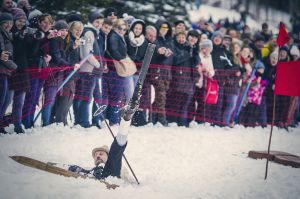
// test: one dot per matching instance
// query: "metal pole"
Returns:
(64, 82)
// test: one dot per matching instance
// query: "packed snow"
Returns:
(170, 162)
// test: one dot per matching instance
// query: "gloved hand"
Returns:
(98, 172)
(78, 169)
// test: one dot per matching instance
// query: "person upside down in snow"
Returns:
(108, 162)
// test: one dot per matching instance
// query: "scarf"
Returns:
(136, 41)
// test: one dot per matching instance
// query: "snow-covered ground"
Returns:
(170, 163)
(216, 13)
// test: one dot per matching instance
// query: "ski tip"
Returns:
(14, 157)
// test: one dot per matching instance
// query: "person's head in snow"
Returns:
(108, 162)
(100, 154)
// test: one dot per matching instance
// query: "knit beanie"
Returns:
(73, 17)
(18, 14)
(217, 33)
(94, 16)
(61, 24)
(34, 14)
(22, 3)
(274, 54)
(5, 17)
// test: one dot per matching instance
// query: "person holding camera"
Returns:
(89, 71)
(38, 55)
(70, 49)
(7, 65)
(161, 73)
(57, 48)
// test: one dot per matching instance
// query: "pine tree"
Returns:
(148, 10)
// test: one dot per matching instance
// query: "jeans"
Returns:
(18, 103)
(50, 94)
(31, 100)
(184, 120)
(263, 111)
(113, 95)
(230, 104)
(84, 94)
(4, 98)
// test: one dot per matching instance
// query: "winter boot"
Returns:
(161, 118)
(19, 130)
(2, 131)
(139, 118)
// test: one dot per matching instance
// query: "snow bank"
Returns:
(216, 13)
(174, 162)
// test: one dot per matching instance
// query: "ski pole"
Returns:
(246, 90)
(65, 81)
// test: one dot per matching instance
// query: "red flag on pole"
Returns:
(287, 81)
(283, 36)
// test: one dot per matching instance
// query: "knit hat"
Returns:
(73, 17)
(34, 14)
(137, 21)
(217, 33)
(61, 24)
(274, 54)
(285, 48)
(108, 11)
(193, 33)
(206, 44)
(22, 3)
(18, 14)
(94, 16)
(5, 17)
(103, 148)
(130, 20)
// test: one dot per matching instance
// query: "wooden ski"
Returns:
(55, 170)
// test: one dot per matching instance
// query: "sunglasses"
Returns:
(122, 29)
(164, 27)
(111, 14)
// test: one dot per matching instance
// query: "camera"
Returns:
(81, 42)
(54, 33)
(34, 32)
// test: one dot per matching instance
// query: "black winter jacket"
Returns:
(184, 71)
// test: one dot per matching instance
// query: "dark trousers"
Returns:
(50, 94)
(83, 96)
(4, 98)
(18, 103)
(113, 96)
(114, 162)
(31, 100)
(97, 100)
(62, 106)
